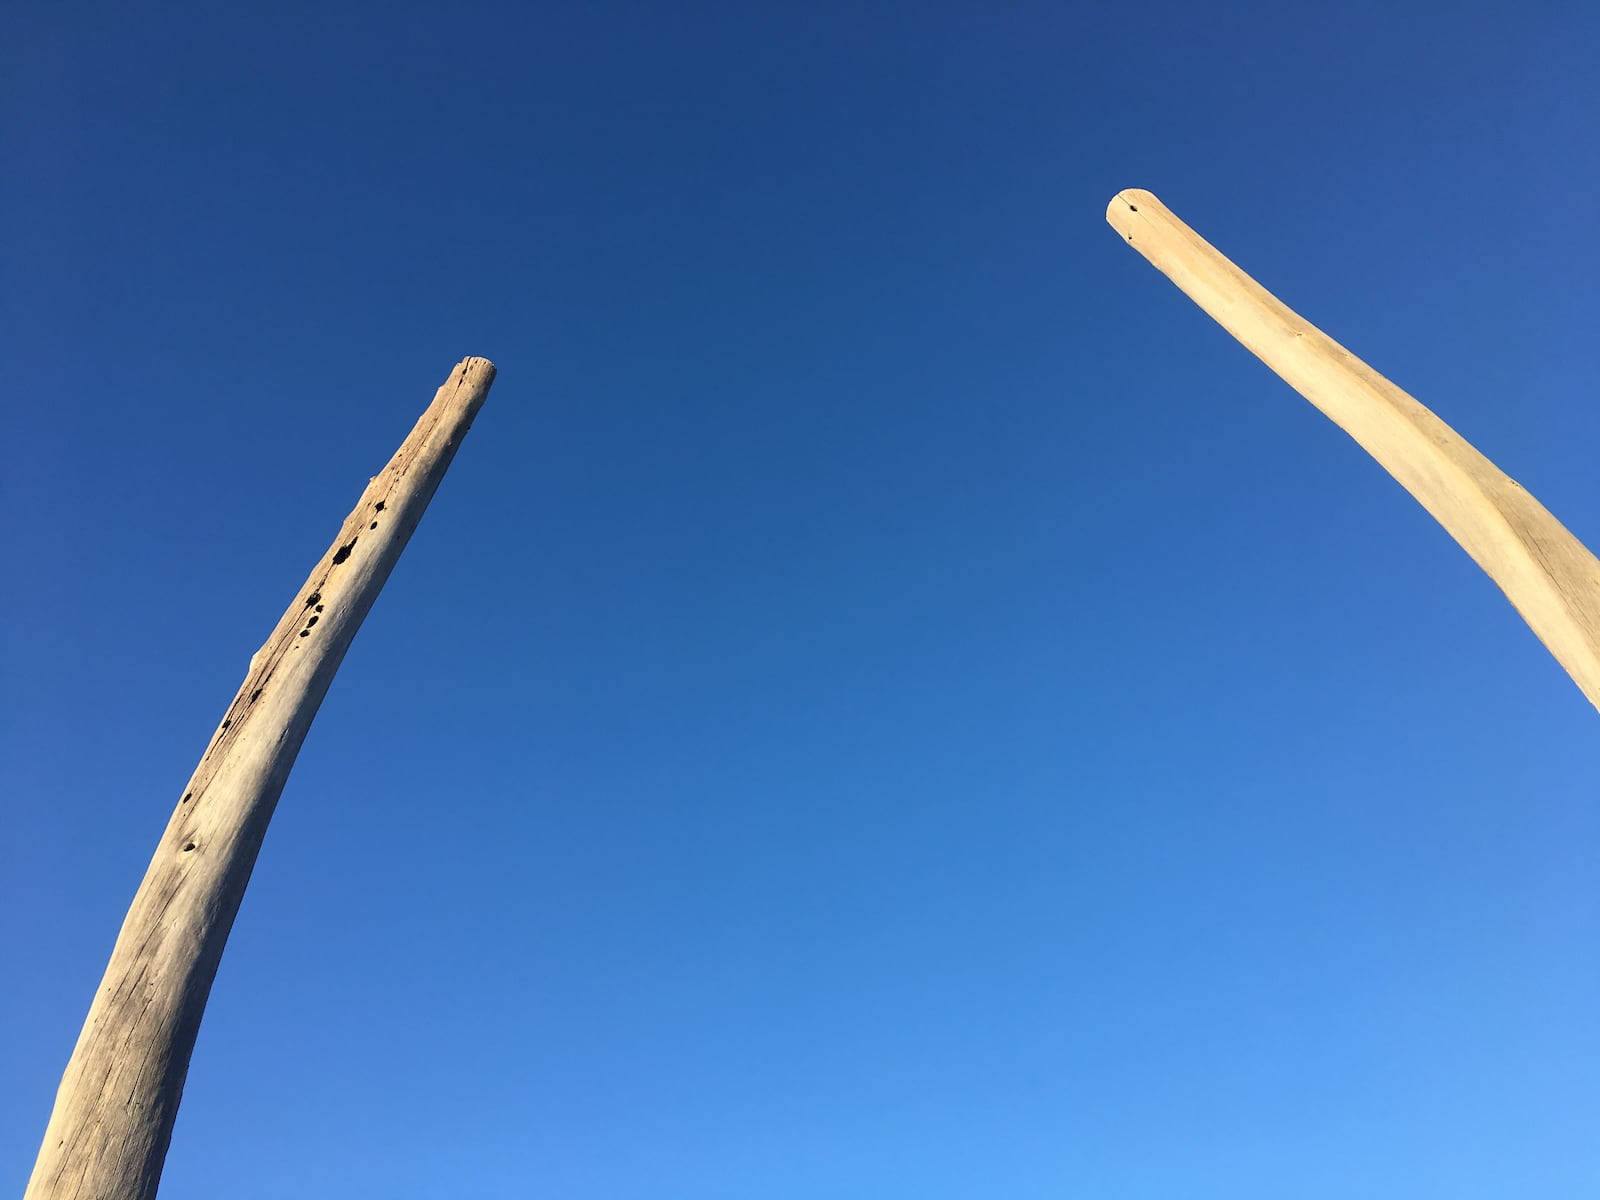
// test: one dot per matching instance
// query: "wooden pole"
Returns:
(1548, 575)
(114, 1110)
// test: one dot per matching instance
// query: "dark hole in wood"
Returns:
(188, 848)
(344, 551)
(313, 598)
(378, 507)
(254, 694)
(186, 797)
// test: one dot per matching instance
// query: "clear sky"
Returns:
(891, 701)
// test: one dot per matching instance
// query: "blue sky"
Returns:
(890, 700)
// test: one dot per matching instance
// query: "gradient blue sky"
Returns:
(891, 701)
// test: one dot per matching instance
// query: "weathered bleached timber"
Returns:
(1548, 574)
(108, 1135)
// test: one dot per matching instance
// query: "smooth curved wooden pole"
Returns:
(112, 1122)
(1549, 575)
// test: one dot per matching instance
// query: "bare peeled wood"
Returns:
(114, 1111)
(1547, 573)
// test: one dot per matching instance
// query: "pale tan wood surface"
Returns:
(1546, 572)
(114, 1110)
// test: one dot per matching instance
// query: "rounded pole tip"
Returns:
(1128, 200)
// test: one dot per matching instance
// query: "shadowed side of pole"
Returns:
(108, 1134)
(1551, 578)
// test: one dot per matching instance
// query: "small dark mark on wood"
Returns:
(1133, 208)
(305, 633)
(228, 722)
(374, 525)
(319, 607)
(378, 507)
(186, 797)
(313, 598)
(254, 695)
(344, 550)
(188, 848)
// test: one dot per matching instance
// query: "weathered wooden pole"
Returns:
(118, 1098)
(1549, 575)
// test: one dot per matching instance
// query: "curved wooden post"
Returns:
(1547, 573)
(113, 1116)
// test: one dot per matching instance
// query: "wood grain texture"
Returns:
(1548, 575)
(108, 1134)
